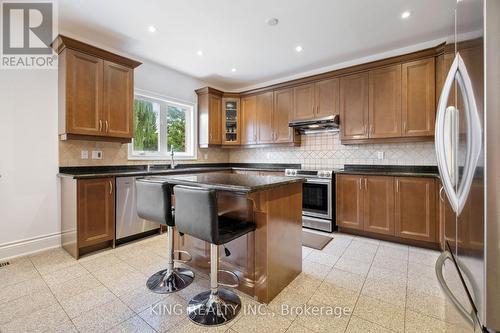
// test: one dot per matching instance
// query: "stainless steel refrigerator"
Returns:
(468, 153)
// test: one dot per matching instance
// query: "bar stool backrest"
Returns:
(154, 202)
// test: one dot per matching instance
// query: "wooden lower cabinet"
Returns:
(95, 211)
(402, 208)
(416, 209)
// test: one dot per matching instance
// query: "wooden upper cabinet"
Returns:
(118, 113)
(327, 97)
(416, 213)
(385, 102)
(349, 194)
(96, 211)
(379, 204)
(83, 97)
(418, 97)
(214, 119)
(354, 106)
(249, 120)
(283, 104)
(96, 92)
(264, 106)
(303, 102)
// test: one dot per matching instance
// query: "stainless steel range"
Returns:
(318, 196)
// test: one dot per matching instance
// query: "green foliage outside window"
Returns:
(176, 129)
(145, 128)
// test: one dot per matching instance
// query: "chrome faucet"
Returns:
(148, 167)
(172, 161)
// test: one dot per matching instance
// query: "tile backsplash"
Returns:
(324, 151)
(321, 151)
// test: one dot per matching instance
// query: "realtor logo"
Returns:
(27, 32)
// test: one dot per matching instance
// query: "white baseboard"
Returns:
(29, 246)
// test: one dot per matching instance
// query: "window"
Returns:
(160, 125)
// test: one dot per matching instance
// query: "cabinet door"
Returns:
(283, 101)
(418, 98)
(350, 201)
(354, 106)
(327, 97)
(379, 205)
(96, 211)
(118, 100)
(265, 117)
(83, 94)
(248, 120)
(416, 208)
(214, 120)
(385, 102)
(303, 102)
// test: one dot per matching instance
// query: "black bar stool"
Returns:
(197, 215)
(154, 203)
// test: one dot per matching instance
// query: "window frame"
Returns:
(163, 153)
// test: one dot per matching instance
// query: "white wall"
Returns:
(29, 214)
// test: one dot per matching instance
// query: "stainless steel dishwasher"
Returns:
(128, 224)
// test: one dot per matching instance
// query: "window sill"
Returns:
(161, 158)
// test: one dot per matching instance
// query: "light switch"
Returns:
(380, 155)
(97, 154)
(84, 155)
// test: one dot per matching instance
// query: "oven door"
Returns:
(317, 198)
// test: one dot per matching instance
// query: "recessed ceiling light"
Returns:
(233, 70)
(298, 48)
(405, 14)
(272, 21)
(200, 53)
(152, 28)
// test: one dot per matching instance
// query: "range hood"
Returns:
(316, 125)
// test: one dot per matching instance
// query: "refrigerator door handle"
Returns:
(469, 317)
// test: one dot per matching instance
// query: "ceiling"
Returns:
(234, 33)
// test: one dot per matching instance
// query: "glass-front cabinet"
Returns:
(231, 121)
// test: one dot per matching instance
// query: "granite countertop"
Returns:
(390, 170)
(229, 182)
(164, 169)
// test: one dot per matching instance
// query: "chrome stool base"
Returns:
(209, 309)
(164, 283)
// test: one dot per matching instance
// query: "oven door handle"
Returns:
(318, 181)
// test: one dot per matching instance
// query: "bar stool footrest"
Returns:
(190, 257)
(234, 285)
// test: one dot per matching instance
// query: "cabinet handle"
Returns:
(107, 126)
(404, 127)
(364, 129)
(360, 184)
(371, 129)
(366, 184)
(110, 187)
(441, 193)
(397, 185)
(100, 125)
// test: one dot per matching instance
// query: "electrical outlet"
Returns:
(97, 154)
(380, 155)
(84, 155)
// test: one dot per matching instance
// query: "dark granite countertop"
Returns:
(164, 169)
(229, 182)
(390, 170)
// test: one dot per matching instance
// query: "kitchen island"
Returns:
(266, 260)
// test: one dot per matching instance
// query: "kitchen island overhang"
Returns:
(265, 260)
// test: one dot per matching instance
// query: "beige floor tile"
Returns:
(392, 252)
(366, 240)
(335, 249)
(132, 325)
(141, 261)
(251, 323)
(21, 289)
(325, 322)
(166, 314)
(379, 273)
(126, 284)
(86, 301)
(187, 326)
(286, 300)
(358, 255)
(75, 286)
(334, 296)
(385, 290)
(322, 258)
(419, 323)
(24, 305)
(296, 328)
(306, 251)
(103, 318)
(93, 264)
(344, 279)
(52, 260)
(18, 271)
(394, 245)
(48, 319)
(304, 284)
(433, 306)
(391, 264)
(425, 285)
(199, 285)
(65, 274)
(426, 271)
(367, 247)
(141, 298)
(424, 258)
(66, 327)
(381, 313)
(316, 270)
(114, 273)
(353, 266)
(358, 325)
